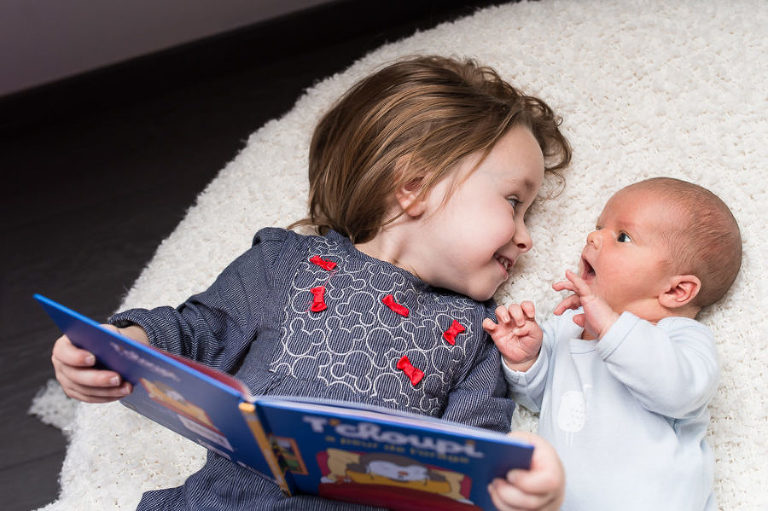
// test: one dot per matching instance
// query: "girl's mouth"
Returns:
(505, 263)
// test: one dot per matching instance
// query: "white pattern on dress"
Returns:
(356, 342)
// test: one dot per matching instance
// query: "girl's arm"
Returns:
(216, 326)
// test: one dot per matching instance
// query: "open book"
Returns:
(337, 450)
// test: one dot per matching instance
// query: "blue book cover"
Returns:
(338, 450)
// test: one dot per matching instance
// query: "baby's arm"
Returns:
(80, 380)
(517, 335)
(598, 316)
(540, 488)
(670, 368)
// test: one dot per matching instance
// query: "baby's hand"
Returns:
(598, 316)
(77, 376)
(542, 487)
(517, 335)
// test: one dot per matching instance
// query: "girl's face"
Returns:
(469, 243)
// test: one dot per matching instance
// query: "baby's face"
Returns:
(626, 260)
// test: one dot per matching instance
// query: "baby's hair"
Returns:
(708, 243)
(412, 122)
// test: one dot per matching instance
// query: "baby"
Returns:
(623, 376)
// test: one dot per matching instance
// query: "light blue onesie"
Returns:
(628, 414)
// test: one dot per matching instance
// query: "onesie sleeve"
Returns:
(671, 367)
(215, 327)
(480, 398)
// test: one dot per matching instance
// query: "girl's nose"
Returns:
(522, 238)
(593, 238)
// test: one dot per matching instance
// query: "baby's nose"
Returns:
(593, 238)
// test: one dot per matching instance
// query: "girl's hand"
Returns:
(517, 335)
(541, 488)
(80, 380)
(598, 316)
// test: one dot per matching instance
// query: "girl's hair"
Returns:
(412, 122)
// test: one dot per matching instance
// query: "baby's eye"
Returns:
(623, 238)
(513, 201)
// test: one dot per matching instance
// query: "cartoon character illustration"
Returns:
(288, 455)
(171, 398)
(419, 486)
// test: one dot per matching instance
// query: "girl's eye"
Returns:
(623, 238)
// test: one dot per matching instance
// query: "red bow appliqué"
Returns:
(450, 334)
(322, 263)
(318, 299)
(390, 302)
(413, 373)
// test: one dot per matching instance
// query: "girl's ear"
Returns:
(409, 197)
(682, 290)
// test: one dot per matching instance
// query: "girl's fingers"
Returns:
(89, 378)
(510, 498)
(97, 394)
(66, 353)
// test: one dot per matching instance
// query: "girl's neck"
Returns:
(391, 246)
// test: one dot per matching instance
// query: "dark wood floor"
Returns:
(97, 170)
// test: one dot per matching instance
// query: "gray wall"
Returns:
(46, 40)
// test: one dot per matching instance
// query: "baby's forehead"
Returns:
(646, 203)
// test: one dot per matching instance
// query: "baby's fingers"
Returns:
(528, 309)
(502, 315)
(518, 315)
(569, 302)
(564, 285)
(579, 285)
(489, 326)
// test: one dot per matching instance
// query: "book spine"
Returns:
(249, 413)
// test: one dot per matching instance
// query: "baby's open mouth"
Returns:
(587, 271)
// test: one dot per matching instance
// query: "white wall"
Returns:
(45, 40)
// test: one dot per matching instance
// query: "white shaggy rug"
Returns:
(646, 88)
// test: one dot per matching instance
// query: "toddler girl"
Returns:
(420, 177)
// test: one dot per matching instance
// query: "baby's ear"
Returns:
(681, 291)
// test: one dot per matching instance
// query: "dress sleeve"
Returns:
(671, 367)
(480, 398)
(216, 327)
